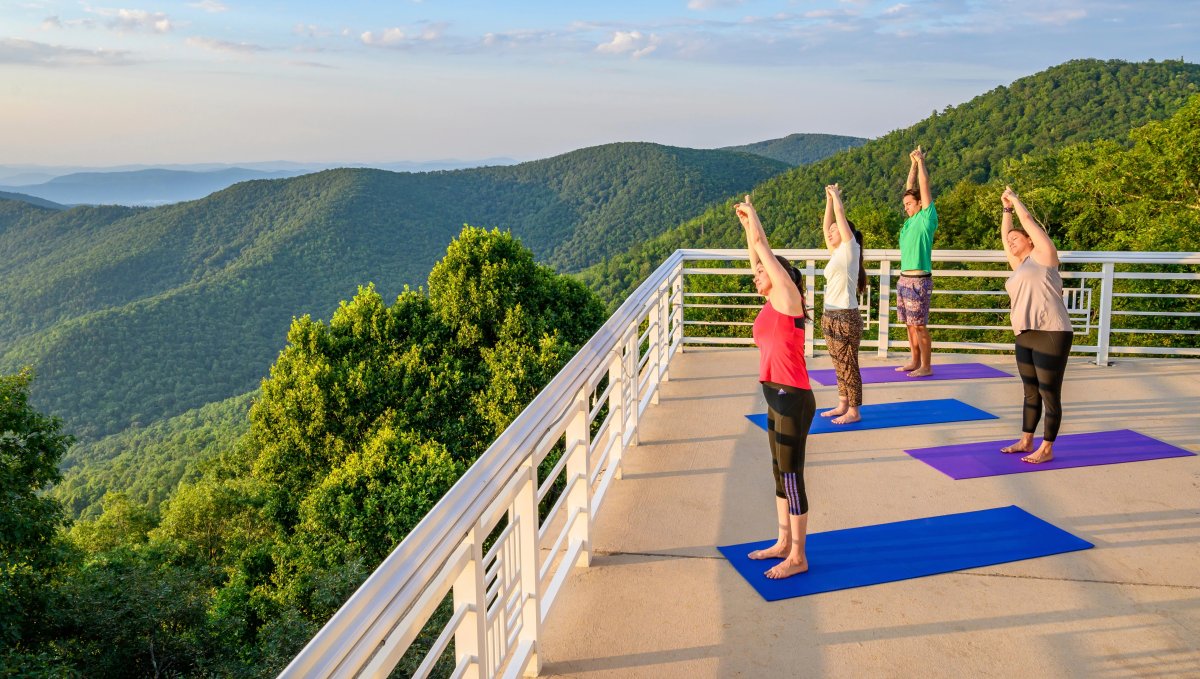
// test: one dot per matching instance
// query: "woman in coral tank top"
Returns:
(779, 334)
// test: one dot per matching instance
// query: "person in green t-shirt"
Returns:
(915, 287)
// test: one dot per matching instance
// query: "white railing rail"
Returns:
(502, 541)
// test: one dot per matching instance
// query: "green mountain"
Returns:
(142, 187)
(32, 200)
(1079, 101)
(800, 149)
(129, 315)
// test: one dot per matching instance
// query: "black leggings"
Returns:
(789, 415)
(1042, 362)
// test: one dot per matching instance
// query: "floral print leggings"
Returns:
(843, 330)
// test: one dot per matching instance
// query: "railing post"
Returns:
(632, 380)
(885, 306)
(653, 340)
(810, 298)
(579, 487)
(1104, 331)
(616, 409)
(664, 335)
(469, 647)
(525, 518)
(677, 294)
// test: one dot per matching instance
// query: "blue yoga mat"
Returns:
(869, 555)
(904, 414)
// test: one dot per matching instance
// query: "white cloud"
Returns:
(386, 38)
(399, 37)
(895, 9)
(515, 38)
(210, 6)
(14, 51)
(135, 20)
(51, 23)
(634, 43)
(240, 48)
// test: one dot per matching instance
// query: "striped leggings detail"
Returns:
(793, 488)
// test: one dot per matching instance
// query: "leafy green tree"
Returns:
(31, 445)
(214, 519)
(123, 614)
(123, 523)
(378, 494)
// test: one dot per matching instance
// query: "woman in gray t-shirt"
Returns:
(1041, 323)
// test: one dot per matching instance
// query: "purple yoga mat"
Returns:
(973, 460)
(887, 373)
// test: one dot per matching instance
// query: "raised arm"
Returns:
(828, 223)
(1044, 252)
(834, 193)
(922, 172)
(912, 173)
(752, 226)
(1006, 222)
(784, 295)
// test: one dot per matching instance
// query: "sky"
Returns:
(111, 82)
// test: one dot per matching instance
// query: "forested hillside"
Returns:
(1080, 101)
(32, 200)
(800, 148)
(365, 421)
(130, 315)
(146, 464)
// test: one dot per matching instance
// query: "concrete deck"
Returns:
(660, 601)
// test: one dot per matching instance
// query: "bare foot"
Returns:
(921, 372)
(786, 569)
(1042, 454)
(907, 368)
(833, 412)
(848, 418)
(1018, 447)
(778, 551)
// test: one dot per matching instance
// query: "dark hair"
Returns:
(1021, 230)
(862, 267)
(793, 273)
(915, 193)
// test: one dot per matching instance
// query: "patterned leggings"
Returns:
(843, 330)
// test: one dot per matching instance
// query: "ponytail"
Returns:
(862, 267)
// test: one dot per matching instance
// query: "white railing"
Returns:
(1098, 287)
(587, 416)
(500, 545)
